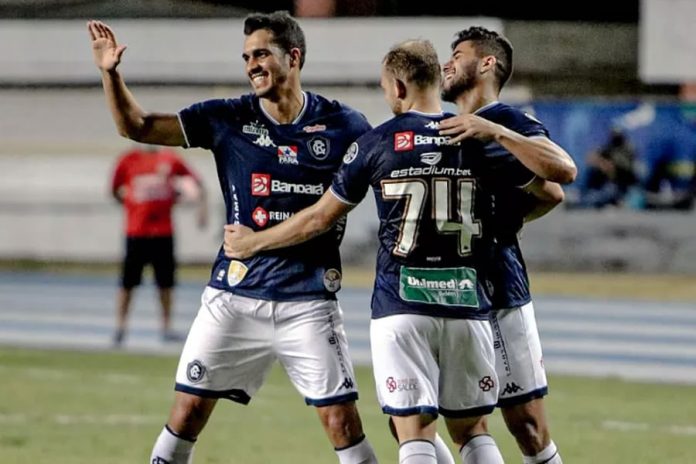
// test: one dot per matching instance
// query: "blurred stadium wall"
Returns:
(59, 143)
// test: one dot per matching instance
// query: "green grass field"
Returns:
(99, 407)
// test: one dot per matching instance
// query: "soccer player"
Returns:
(276, 151)
(144, 181)
(431, 339)
(480, 65)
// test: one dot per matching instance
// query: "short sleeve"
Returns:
(351, 182)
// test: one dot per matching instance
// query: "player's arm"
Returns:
(545, 197)
(132, 121)
(539, 154)
(241, 242)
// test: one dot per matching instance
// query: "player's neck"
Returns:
(285, 107)
(472, 100)
(425, 103)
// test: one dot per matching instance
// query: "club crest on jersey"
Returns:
(314, 128)
(260, 184)
(351, 153)
(318, 147)
(332, 280)
(287, 154)
(236, 271)
(260, 216)
(403, 141)
(195, 370)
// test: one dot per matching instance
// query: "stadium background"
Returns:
(601, 276)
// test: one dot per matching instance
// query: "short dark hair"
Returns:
(287, 33)
(415, 61)
(487, 42)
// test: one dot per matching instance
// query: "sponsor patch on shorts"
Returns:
(451, 286)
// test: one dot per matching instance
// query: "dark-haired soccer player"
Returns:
(276, 151)
(480, 65)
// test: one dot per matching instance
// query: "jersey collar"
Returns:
(296, 120)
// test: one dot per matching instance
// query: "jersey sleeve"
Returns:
(352, 180)
(200, 121)
(506, 168)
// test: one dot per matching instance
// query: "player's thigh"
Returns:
(468, 382)
(519, 358)
(134, 261)
(404, 360)
(229, 348)
(312, 347)
(163, 261)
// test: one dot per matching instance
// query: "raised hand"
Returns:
(469, 125)
(107, 52)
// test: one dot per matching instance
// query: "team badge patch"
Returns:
(351, 153)
(332, 280)
(236, 271)
(318, 147)
(195, 371)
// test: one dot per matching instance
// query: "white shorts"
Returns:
(518, 358)
(234, 341)
(431, 365)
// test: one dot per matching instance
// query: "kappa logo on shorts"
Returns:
(159, 460)
(511, 387)
(236, 271)
(195, 371)
(332, 280)
(486, 383)
(348, 383)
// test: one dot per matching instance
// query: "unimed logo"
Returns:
(450, 284)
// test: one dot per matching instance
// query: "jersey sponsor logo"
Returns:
(403, 141)
(195, 371)
(259, 216)
(429, 171)
(451, 286)
(332, 280)
(486, 383)
(264, 141)
(254, 128)
(433, 125)
(236, 271)
(511, 388)
(287, 154)
(351, 153)
(303, 189)
(431, 158)
(314, 128)
(260, 184)
(399, 385)
(279, 215)
(318, 147)
(433, 140)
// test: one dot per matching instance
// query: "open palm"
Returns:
(107, 53)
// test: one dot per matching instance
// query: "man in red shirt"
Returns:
(148, 181)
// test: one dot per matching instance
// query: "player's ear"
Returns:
(295, 57)
(488, 64)
(400, 88)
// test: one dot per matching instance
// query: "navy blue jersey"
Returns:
(509, 280)
(433, 210)
(267, 172)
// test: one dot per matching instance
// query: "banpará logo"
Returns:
(450, 284)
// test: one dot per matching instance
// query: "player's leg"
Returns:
(468, 388)
(522, 381)
(131, 275)
(219, 360)
(312, 347)
(443, 455)
(407, 374)
(164, 266)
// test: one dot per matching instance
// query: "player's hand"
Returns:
(464, 126)
(239, 241)
(107, 52)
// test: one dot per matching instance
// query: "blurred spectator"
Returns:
(610, 172)
(670, 182)
(148, 180)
